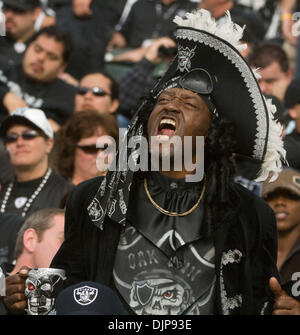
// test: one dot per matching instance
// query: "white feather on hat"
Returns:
(275, 152)
(202, 20)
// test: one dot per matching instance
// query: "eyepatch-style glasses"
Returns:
(200, 81)
(26, 135)
(97, 91)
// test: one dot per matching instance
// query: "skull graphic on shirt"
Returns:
(159, 296)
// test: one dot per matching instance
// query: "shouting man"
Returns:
(171, 241)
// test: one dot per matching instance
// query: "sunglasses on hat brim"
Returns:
(201, 82)
(198, 81)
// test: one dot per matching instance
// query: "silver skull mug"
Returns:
(41, 289)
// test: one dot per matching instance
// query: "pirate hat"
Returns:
(208, 62)
(205, 46)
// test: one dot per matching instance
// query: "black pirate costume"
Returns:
(148, 238)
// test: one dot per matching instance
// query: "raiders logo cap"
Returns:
(88, 298)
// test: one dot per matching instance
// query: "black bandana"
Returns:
(113, 195)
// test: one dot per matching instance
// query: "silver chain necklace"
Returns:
(31, 199)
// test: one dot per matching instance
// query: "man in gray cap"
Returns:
(20, 19)
(28, 137)
(283, 196)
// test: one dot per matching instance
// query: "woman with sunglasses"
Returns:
(28, 138)
(78, 145)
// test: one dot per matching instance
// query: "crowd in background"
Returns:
(86, 64)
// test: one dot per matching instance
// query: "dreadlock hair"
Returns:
(219, 170)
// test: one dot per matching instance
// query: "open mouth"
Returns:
(36, 67)
(166, 127)
(281, 215)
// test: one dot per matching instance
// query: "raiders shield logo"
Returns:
(85, 295)
(184, 58)
(144, 293)
(95, 210)
(20, 202)
(112, 208)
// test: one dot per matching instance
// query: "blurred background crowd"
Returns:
(86, 64)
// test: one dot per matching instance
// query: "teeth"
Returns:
(163, 137)
(281, 215)
(167, 121)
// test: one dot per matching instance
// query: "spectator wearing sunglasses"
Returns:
(35, 83)
(78, 144)
(28, 137)
(20, 19)
(99, 91)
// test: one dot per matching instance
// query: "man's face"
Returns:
(274, 81)
(20, 24)
(43, 59)
(50, 242)
(26, 154)
(179, 112)
(90, 101)
(286, 207)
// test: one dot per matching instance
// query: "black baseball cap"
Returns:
(22, 4)
(292, 94)
(88, 298)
